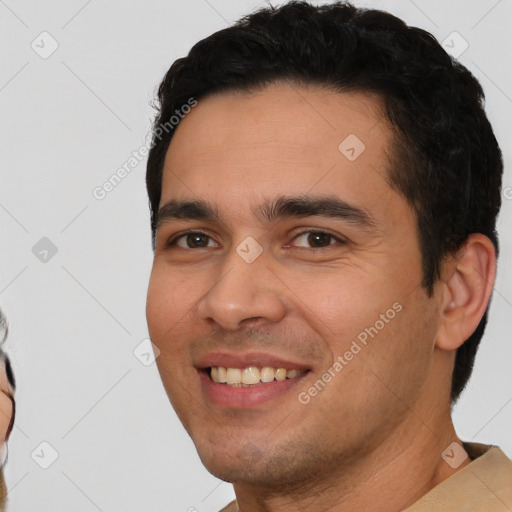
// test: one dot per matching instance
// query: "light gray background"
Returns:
(68, 123)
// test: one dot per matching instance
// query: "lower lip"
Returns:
(245, 397)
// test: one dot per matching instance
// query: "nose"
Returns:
(243, 294)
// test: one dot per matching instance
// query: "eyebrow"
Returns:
(282, 207)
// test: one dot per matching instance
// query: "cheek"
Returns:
(400, 356)
(385, 331)
(338, 303)
(168, 309)
(171, 295)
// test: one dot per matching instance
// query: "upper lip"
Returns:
(246, 359)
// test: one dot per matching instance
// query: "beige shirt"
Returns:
(484, 485)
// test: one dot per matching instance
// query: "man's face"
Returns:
(327, 275)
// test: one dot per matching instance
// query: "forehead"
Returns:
(282, 139)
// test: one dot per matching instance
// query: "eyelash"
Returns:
(341, 241)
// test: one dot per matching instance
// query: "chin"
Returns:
(271, 467)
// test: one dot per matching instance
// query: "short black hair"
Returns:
(446, 160)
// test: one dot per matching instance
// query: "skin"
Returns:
(372, 438)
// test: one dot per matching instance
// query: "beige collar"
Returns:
(483, 485)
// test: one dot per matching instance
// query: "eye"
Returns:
(193, 240)
(317, 239)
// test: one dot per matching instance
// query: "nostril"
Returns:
(252, 319)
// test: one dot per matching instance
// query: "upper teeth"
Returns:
(250, 375)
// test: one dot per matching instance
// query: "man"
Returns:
(324, 213)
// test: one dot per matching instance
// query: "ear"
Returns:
(467, 283)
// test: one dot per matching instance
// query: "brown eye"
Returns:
(319, 239)
(194, 241)
(197, 240)
(316, 239)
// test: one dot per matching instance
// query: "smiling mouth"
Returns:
(251, 376)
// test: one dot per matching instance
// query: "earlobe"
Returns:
(466, 286)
